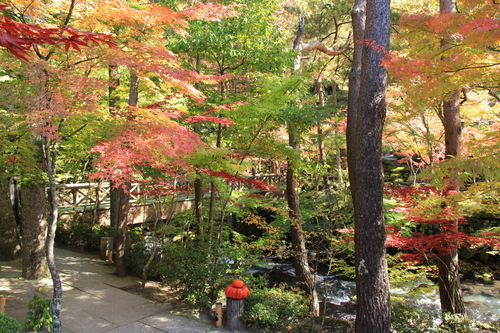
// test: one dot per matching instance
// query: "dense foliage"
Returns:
(197, 100)
(9, 324)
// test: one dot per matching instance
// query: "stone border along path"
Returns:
(92, 300)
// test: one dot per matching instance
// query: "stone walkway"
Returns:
(93, 301)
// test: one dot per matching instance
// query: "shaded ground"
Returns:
(94, 300)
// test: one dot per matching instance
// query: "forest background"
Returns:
(213, 95)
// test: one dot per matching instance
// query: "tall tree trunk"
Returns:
(198, 183)
(300, 258)
(450, 291)
(34, 231)
(133, 96)
(198, 205)
(213, 195)
(50, 149)
(366, 172)
(10, 246)
(114, 192)
(114, 79)
(358, 25)
(321, 141)
(122, 197)
(121, 234)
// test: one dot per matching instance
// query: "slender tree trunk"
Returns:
(321, 141)
(213, 195)
(198, 183)
(10, 246)
(198, 205)
(366, 172)
(300, 258)
(34, 231)
(114, 193)
(121, 234)
(50, 148)
(114, 78)
(450, 291)
(133, 97)
(122, 199)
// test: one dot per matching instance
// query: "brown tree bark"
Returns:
(367, 115)
(198, 205)
(358, 15)
(299, 250)
(321, 141)
(121, 199)
(450, 291)
(10, 246)
(50, 148)
(114, 79)
(123, 207)
(34, 231)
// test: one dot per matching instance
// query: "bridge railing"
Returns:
(94, 196)
(83, 196)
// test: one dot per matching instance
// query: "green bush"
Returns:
(39, 316)
(199, 272)
(136, 258)
(9, 324)
(84, 235)
(275, 309)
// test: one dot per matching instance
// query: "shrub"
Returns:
(9, 324)
(199, 272)
(90, 235)
(39, 316)
(136, 258)
(276, 309)
(84, 235)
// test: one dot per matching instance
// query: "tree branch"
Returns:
(74, 132)
(319, 46)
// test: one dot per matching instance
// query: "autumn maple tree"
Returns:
(64, 55)
(19, 38)
(453, 64)
(429, 208)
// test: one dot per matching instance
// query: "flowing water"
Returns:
(482, 300)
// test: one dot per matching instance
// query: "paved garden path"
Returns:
(93, 302)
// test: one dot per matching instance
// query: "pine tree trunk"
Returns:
(358, 25)
(10, 246)
(367, 115)
(34, 231)
(300, 258)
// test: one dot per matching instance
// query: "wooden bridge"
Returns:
(92, 200)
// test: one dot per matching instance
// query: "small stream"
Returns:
(482, 300)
